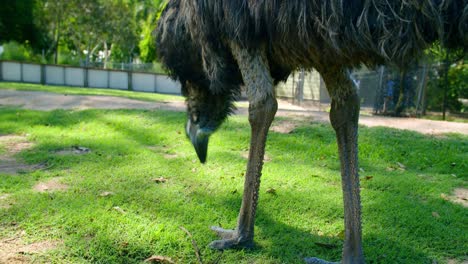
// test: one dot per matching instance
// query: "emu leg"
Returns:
(344, 117)
(262, 110)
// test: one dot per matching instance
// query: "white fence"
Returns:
(13, 71)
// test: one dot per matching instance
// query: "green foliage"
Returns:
(455, 65)
(19, 52)
(68, 57)
(147, 44)
(458, 76)
(64, 29)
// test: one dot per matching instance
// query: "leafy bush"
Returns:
(457, 88)
(19, 52)
(68, 57)
(147, 44)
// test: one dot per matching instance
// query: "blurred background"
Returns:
(118, 35)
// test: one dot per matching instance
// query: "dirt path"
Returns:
(50, 101)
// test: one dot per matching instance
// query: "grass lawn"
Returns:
(126, 199)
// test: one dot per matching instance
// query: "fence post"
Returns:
(86, 76)
(43, 74)
(64, 75)
(130, 82)
(155, 88)
(108, 78)
(1, 70)
(21, 72)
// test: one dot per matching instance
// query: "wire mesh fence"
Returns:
(392, 91)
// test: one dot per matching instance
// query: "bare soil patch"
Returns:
(51, 185)
(14, 250)
(460, 196)
(163, 150)
(12, 145)
(5, 202)
(284, 126)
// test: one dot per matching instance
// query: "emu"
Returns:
(213, 47)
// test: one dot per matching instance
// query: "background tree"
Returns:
(449, 80)
(51, 17)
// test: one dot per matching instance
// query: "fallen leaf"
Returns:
(118, 209)
(444, 196)
(194, 170)
(271, 191)
(435, 214)
(105, 194)
(160, 180)
(402, 167)
(159, 259)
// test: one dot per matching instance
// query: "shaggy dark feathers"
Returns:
(303, 33)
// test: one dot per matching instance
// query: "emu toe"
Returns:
(230, 239)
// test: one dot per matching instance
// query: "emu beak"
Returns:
(199, 138)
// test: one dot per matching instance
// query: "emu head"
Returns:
(206, 111)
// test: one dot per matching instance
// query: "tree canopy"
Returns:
(89, 30)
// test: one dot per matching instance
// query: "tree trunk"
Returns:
(105, 55)
(56, 40)
(422, 91)
(446, 84)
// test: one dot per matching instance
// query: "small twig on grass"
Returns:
(194, 244)
(218, 259)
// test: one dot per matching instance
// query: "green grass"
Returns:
(129, 148)
(89, 91)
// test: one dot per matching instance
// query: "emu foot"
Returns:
(318, 261)
(230, 239)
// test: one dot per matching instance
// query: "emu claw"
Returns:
(318, 261)
(229, 239)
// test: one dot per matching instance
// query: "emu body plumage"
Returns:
(213, 47)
